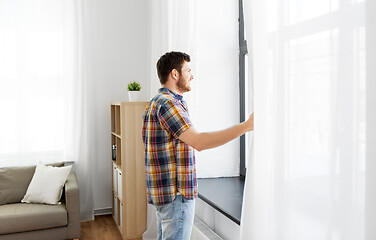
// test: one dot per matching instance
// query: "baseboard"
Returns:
(102, 211)
(201, 231)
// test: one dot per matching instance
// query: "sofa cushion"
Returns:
(20, 217)
(47, 184)
(14, 182)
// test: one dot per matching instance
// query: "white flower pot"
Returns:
(134, 96)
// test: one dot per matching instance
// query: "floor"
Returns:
(102, 228)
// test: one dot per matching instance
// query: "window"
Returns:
(38, 79)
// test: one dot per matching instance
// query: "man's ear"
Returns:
(174, 74)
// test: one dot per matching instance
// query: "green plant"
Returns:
(134, 86)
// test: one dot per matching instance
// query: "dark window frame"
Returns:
(242, 53)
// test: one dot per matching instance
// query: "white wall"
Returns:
(117, 50)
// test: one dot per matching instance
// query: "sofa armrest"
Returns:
(72, 201)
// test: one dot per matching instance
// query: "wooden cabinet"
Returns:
(128, 168)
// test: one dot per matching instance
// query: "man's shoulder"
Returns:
(157, 103)
(162, 99)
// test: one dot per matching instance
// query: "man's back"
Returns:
(169, 162)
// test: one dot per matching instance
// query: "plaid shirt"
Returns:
(170, 163)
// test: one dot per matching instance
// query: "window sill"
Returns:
(224, 195)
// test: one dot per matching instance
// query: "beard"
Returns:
(183, 85)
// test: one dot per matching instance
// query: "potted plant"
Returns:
(134, 91)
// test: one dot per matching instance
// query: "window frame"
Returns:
(243, 51)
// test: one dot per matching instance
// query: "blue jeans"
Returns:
(175, 219)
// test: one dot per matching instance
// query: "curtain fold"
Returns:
(370, 195)
(311, 176)
(43, 101)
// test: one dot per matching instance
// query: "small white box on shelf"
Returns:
(119, 183)
(114, 178)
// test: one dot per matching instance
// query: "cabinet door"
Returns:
(116, 210)
(121, 214)
(114, 178)
(120, 183)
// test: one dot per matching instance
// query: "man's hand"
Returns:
(250, 123)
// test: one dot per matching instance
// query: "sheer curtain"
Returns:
(312, 175)
(43, 88)
(173, 27)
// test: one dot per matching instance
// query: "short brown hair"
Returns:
(170, 61)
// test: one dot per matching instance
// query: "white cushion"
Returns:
(47, 184)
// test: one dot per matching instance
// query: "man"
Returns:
(169, 140)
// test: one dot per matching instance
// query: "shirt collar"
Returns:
(175, 95)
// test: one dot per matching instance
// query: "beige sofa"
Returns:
(19, 221)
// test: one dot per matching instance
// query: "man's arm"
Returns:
(207, 140)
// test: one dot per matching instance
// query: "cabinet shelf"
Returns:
(128, 176)
(115, 119)
(116, 135)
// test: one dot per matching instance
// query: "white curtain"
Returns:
(312, 175)
(43, 89)
(173, 27)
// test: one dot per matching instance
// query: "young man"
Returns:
(169, 140)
